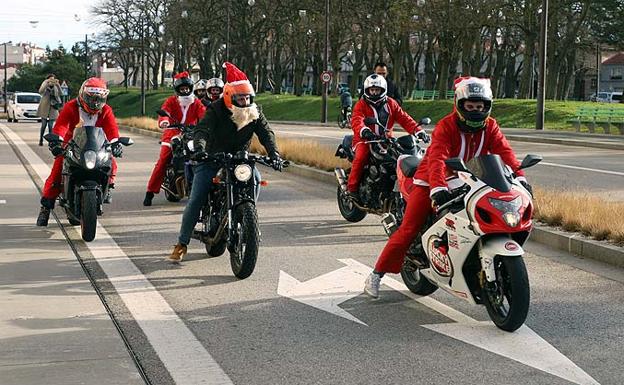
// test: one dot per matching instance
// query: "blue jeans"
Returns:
(202, 184)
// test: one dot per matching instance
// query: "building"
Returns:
(612, 73)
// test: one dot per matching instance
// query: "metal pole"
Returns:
(541, 89)
(325, 63)
(142, 70)
(86, 57)
(5, 79)
(227, 34)
(597, 70)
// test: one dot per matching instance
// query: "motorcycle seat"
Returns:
(409, 164)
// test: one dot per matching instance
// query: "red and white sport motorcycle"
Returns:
(472, 246)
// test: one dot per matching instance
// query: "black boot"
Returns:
(148, 198)
(44, 216)
(108, 198)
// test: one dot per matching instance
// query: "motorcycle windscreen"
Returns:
(491, 170)
(89, 138)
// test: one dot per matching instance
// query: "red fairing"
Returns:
(490, 219)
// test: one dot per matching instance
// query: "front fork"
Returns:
(501, 245)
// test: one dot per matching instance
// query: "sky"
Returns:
(56, 21)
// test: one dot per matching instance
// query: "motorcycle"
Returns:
(178, 175)
(471, 246)
(377, 195)
(229, 218)
(87, 167)
(344, 121)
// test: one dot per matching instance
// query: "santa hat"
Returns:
(236, 83)
(182, 75)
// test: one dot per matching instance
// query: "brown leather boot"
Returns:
(179, 251)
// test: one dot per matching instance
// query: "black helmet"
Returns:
(472, 89)
(182, 79)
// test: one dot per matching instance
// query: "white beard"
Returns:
(242, 116)
(186, 101)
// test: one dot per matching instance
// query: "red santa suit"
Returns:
(363, 110)
(189, 114)
(71, 115)
(447, 142)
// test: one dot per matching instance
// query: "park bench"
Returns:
(430, 94)
(599, 116)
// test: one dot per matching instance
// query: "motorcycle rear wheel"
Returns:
(416, 282)
(88, 214)
(508, 306)
(245, 245)
(348, 209)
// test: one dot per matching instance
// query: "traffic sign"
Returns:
(326, 76)
(64, 88)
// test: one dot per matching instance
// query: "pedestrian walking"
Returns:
(50, 104)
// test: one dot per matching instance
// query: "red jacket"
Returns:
(70, 117)
(448, 142)
(194, 113)
(363, 110)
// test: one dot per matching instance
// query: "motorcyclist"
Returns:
(183, 108)
(375, 103)
(214, 87)
(90, 109)
(199, 90)
(228, 126)
(468, 131)
(346, 102)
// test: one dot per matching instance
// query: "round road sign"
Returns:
(326, 76)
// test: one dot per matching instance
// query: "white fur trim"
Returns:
(113, 140)
(165, 144)
(481, 144)
(435, 190)
(420, 182)
(240, 82)
(462, 152)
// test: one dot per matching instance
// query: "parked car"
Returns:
(23, 105)
(606, 97)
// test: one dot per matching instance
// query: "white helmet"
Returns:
(214, 83)
(201, 84)
(379, 81)
(200, 88)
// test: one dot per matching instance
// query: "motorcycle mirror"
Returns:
(456, 164)
(163, 113)
(370, 120)
(125, 141)
(52, 137)
(425, 121)
(530, 160)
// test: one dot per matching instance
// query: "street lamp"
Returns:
(5, 79)
(325, 63)
(541, 89)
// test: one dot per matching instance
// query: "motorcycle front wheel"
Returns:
(508, 302)
(246, 240)
(88, 214)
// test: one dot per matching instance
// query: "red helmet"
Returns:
(92, 95)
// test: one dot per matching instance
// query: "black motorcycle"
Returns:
(377, 191)
(86, 170)
(178, 175)
(229, 218)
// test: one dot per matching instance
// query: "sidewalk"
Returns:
(53, 327)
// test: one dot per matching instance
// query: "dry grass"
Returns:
(143, 122)
(305, 152)
(581, 212)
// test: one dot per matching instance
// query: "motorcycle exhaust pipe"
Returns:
(342, 178)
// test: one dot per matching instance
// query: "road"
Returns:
(196, 323)
(566, 168)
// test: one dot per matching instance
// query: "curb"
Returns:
(566, 142)
(573, 243)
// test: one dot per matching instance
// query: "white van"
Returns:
(23, 105)
(609, 97)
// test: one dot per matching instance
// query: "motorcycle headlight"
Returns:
(242, 172)
(90, 158)
(103, 155)
(509, 209)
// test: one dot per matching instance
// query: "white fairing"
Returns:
(499, 245)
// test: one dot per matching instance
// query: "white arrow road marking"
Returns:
(524, 345)
(329, 290)
(183, 355)
(2, 201)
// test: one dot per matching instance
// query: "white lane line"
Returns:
(583, 168)
(2, 201)
(183, 355)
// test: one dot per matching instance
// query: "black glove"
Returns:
(200, 155)
(116, 149)
(527, 186)
(56, 148)
(441, 197)
(422, 135)
(277, 162)
(367, 134)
